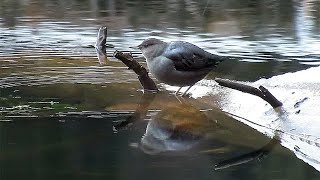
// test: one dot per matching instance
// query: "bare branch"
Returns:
(262, 92)
(146, 82)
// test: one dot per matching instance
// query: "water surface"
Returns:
(65, 116)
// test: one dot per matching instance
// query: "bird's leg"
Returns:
(185, 93)
(177, 91)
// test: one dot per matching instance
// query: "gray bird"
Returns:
(178, 63)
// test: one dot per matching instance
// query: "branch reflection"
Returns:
(177, 127)
(245, 158)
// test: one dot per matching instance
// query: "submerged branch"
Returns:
(262, 92)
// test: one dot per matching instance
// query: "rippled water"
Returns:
(65, 116)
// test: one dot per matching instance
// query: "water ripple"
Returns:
(34, 76)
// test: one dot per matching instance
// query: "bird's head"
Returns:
(152, 47)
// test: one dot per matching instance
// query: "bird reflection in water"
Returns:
(181, 126)
(177, 127)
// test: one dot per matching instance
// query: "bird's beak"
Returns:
(136, 47)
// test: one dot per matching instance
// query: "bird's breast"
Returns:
(161, 67)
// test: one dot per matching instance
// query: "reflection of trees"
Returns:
(8, 11)
(251, 16)
(221, 17)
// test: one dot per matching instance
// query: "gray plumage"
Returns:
(178, 63)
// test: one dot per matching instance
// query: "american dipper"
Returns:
(178, 63)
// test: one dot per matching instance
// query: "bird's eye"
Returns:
(148, 45)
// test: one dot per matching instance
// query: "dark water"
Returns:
(65, 116)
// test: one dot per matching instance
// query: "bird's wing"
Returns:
(189, 57)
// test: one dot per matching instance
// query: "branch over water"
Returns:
(262, 92)
(146, 82)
